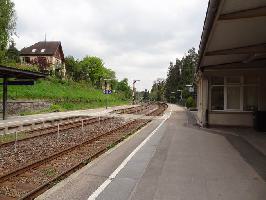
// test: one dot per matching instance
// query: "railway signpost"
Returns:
(107, 90)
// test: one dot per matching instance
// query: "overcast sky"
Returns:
(135, 38)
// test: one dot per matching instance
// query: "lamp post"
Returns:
(173, 94)
(134, 91)
(181, 94)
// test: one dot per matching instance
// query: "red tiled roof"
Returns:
(49, 47)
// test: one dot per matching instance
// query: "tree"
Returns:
(93, 69)
(146, 95)
(123, 86)
(188, 67)
(7, 25)
(180, 75)
(157, 91)
(12, 53)
(173, 81)
(73, 68)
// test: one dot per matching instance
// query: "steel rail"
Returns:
(58, 154)
(53, 129)
(34, 193)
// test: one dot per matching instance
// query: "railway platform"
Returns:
(168, 160)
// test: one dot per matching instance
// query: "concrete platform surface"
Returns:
(176, 163)
(57, 115)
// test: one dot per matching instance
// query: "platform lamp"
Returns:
(181, 94)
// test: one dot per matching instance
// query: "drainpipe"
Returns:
(207, 118)
(207, 110)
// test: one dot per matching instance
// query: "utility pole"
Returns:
(134, 92)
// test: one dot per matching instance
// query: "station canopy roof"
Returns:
(10, 72)
(234, 35)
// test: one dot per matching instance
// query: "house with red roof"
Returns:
(47, 55)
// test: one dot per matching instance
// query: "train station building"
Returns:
(231, 75)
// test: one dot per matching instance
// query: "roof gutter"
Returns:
(207, 27)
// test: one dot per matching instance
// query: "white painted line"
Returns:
(101, 188)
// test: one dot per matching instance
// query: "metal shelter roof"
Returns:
(234, 34)
(10, 72)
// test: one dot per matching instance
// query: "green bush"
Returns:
(190, 102)
(56, 108)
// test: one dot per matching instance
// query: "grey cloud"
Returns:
(135, 38)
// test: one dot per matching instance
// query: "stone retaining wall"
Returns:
(17, 107)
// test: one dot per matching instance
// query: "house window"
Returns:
(27, 59)
(33, 50)
(43, 50)
(234, 93)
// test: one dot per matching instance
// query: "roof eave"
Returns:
(208, 24)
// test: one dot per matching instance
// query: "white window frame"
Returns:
(225, 85)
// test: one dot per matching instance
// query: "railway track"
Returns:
(39, 147)
(148, 110)
(29, 181)
(141, 109)
(158, 111)
(54, 129)
(43, 160)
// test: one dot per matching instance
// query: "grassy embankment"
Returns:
(64, 95)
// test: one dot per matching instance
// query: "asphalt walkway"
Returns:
(174, 162)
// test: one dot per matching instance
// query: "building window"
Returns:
(217, 98)
(234, 93)
(42, 50)
(27, 59)
(250, 98)
(233, 97)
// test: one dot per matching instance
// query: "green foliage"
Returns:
(65, 95)
(56, 108)
(90, 69)
(33, 68)
(173, 78)
(7, 25)
(12, 53)
(123, 86)
(157, 90)
(180, 75)
(146, 95)
(189, 63)
(73, 68)
(190, 102)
